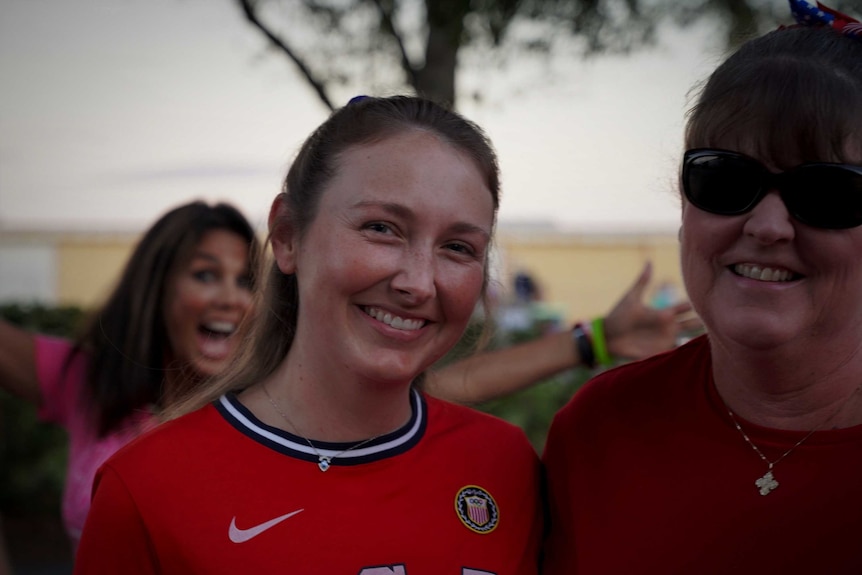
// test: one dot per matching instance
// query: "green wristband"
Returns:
(600, 344)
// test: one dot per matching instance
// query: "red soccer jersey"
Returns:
(647, 474)
(453, 492)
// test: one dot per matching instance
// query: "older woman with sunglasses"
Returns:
(741, 451)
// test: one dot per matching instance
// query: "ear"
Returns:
(285, 242)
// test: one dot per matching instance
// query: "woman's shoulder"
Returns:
(53, 343)
(54, 353)
(649, 381)
(470, 439)
(169, 441)
(473, 423)
(61, 372)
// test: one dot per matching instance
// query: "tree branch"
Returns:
(248, 8)
(389, 26)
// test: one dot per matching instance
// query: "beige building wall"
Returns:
(585, 275)
(61, 268)
(90, 267)
(582, 275)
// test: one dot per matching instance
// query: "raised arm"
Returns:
(18, 363)
(635, 330)
(632, 330)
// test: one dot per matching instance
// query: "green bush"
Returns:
(33, 455)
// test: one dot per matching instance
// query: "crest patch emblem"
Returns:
(476, 509)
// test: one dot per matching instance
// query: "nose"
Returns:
(415, 279)
(770, 222)
(234, 295)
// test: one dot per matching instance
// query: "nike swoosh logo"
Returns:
(238, 535)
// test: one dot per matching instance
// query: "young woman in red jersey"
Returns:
(317, 453)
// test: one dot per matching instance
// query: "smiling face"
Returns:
(205, 302)
(763, 279)
(392, 266)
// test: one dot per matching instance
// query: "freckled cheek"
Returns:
(180, 330)
(188, 303)
(172, 306)
(192, 300)
(356, 269)
(462, 290)
(360, 265)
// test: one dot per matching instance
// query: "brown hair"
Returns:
(125, 340)
(790, 96)
(365, 120)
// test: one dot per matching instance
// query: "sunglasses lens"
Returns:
(721, 182)
(825, 196)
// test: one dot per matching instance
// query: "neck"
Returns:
(790, 389)
(326, 409)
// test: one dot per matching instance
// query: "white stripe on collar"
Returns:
(256, 427)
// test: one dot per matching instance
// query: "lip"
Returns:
(216, 347)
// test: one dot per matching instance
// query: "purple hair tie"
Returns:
(809, 13)
(356, 99)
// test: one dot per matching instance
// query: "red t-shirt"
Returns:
(647, 474)
(453, 492)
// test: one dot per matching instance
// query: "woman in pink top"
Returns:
(171, 322)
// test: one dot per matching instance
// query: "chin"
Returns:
(393, 373)
(757, 335)
(210, 367)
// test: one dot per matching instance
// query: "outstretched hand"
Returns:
(634, 330)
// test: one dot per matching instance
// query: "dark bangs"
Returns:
(768, 101)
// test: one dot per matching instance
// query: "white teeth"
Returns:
(763, 273)
(394, 321)
(225, 327)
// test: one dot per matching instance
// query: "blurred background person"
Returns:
(173, 320)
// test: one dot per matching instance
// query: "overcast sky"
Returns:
(112, 111)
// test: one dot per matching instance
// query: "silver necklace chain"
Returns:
(323, 461)
(767, 483)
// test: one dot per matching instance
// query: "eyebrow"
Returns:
(204, 256)
(404, 212)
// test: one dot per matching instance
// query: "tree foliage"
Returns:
(418, 45)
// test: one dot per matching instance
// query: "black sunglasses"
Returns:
(821, 195)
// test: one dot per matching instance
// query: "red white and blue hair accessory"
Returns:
(808, 13)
